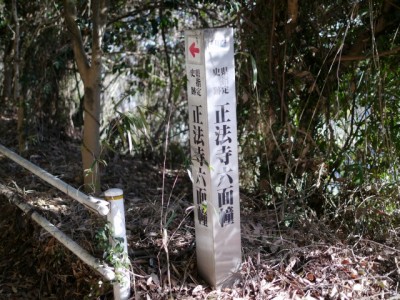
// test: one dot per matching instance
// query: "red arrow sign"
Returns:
(193, 49)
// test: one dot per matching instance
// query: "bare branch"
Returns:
(382, 23)
(76, 37)
(393, 51)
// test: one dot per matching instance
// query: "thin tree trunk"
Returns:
(91, 139)
(7, 92)
(292, 14)
(16, 93)
(91, 77)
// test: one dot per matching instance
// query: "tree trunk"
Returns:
(91, 138)
(91, 77)
(16, 93)
(7, 92)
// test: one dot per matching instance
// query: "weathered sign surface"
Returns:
(213, 138)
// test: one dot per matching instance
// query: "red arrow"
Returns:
(193, 49)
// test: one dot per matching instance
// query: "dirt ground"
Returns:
(306, 261)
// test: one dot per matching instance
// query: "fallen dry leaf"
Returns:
(311, 277)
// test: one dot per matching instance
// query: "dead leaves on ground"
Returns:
(295, 263)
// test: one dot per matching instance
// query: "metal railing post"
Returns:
(116, 218)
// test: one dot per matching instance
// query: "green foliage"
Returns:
(113, 249)
(318, 105)
(43, 64)
(313, 130)
(128, 132)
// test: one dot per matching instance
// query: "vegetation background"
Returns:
(317, 97)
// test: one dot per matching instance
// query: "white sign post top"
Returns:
(201, 42)
(194, 45)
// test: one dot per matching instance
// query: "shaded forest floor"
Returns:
(309, 260)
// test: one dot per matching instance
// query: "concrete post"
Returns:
(116, 218)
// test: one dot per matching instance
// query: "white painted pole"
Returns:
(91, 261)
(96, 204)
(116, 217)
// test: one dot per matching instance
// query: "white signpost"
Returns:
(213, 138)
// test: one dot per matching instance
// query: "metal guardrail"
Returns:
(99, 205)
(115, 216)
(94, 263)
